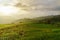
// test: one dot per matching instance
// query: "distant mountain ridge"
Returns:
(46, 20)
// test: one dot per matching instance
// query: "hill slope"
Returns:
(32, 29)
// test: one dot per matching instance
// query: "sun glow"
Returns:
(8, 10)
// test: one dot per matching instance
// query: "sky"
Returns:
(27, 9)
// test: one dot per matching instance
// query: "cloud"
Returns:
(42, 4)
(8, 2)
(35, 8)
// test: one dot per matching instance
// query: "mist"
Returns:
(32, 9)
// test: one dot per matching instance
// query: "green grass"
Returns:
(30, 32)
(41, 28)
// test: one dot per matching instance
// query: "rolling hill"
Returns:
(40, 28)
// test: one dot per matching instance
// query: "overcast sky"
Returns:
(33, 8)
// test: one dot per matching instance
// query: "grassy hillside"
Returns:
(32, 29)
